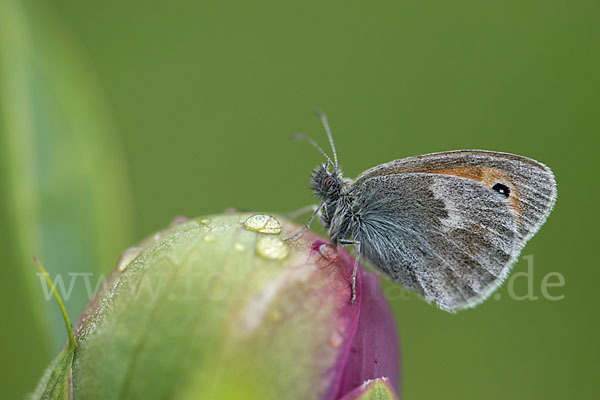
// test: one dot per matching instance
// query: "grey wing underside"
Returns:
(449, 238)
(531, 182)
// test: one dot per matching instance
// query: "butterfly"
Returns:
(447, 225)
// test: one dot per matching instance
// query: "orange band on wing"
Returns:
(489, 177)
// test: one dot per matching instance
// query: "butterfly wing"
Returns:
(531, 185)
(447, 233)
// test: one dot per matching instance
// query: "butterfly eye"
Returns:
(502, 189)
(327, 182)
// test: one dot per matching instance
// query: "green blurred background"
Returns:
(117, 116)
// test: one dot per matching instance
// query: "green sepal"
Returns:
(55, 383)
(376, 389)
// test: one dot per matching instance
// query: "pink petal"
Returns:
(374, 352)
(370, 348)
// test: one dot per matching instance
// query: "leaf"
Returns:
(65, 179)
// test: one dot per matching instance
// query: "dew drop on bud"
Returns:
(239, 247)
(263, 223)
(209, 238)
(204, 221)
(274, 315)
(329, 252)
(127, 257)
(272, 248)
(178, 220)
(336, 339)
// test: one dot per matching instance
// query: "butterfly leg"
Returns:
(305, 227)
(356, 244)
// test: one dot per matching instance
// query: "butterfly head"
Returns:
(326, 184)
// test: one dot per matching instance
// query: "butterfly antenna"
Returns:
(302, 136)
(323, 117)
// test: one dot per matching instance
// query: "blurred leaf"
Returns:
(65, 178)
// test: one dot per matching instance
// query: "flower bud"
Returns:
(224, 308)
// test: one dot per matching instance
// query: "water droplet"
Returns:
(263, 223)
(209, 238)
(239, 247)
(272, 248)
(336, 339)
(204, 221)
(274, 315)
(216, 286)
(329, 252)
(127, 257)
(178, 220)
(497, 296)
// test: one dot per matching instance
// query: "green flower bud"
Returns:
(223, 308)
